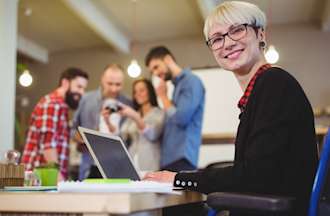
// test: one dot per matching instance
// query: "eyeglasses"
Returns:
(235, 33)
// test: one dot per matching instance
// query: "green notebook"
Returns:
(108, 181)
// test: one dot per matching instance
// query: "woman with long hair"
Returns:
(144, 126)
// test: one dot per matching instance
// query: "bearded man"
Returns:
(49, 132)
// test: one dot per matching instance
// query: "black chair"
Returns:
(221, 164)
(254, 204)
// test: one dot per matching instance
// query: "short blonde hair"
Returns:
(235, 12)
(114, 66)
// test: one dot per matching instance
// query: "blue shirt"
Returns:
(183, 125)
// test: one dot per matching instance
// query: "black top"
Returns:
(276, 150)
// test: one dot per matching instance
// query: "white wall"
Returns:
(305, 52)
(8, 36)
(215, 153)
(221, 112)
(222, 93)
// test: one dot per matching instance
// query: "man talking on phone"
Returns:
(184, 113)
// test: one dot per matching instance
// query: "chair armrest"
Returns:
(260, 203)
(324, 208)
(221, 164)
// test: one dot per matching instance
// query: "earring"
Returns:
(262, 44)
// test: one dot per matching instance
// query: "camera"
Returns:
(113, 107)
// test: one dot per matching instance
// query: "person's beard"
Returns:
(72, 99)
(168, 75)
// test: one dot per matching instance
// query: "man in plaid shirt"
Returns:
(48, 135)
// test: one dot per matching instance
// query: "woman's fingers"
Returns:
(162, 176)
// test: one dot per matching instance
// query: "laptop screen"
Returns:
(112, 157)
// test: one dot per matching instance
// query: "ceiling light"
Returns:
(25, 101)
(134, 69)
(27, 11)
(25, 79)
(271, 55)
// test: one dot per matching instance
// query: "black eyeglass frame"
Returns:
(208, 42)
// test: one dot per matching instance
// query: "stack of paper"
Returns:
(30, 188)
(127, 187)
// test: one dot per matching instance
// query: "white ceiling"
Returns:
(57, 28)
(154, 19)
(54, 26)
(290, 11)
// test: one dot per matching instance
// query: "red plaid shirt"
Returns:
(48, 129)
(244, 99)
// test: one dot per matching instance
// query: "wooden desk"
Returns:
(218, 138)
(91, 203)
(321, 131)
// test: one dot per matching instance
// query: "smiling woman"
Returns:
(275, 143)
(243, 47)
(144, 125)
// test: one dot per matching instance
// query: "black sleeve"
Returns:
(271, 110)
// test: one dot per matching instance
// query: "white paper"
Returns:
(132, 187)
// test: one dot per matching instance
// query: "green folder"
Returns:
(108, 181)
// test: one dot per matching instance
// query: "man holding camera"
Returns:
(98, 111)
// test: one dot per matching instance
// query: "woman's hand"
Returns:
(131, 113)
(128, 111)
(161, 176)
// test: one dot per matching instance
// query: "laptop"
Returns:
(109, 154)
